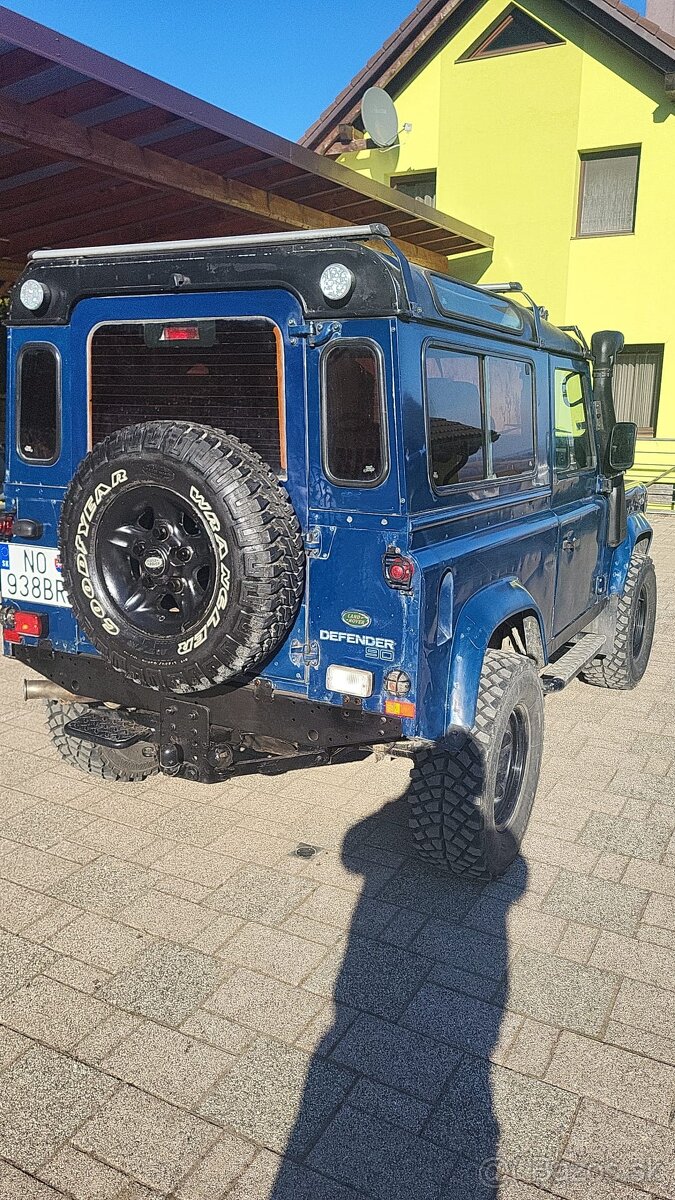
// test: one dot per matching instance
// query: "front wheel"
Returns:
(623, 669)
(470, 805)
(131, 765)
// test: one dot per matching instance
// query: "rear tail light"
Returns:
(28, 623)
(398, 571)
(397, 683)
(17, 625)
(6, 526)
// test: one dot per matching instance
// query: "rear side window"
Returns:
(481, 417)
(38, 387)
(511, 406)
(456, 439)
(353, 415)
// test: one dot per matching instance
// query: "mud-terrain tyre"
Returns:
(636, 617)
(470, 804)
(132, 765)
(182, 556)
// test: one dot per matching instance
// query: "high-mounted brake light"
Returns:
(180, 333)
(398, 570)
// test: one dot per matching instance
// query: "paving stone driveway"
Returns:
(183, 1001)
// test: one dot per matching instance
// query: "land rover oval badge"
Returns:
(356, 619)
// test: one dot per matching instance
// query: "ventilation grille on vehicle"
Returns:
(227, 379)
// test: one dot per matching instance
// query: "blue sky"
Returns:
(275, 62)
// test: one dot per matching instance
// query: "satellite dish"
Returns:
(379, 117)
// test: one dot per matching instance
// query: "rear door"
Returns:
(355, 507)
(581, 511)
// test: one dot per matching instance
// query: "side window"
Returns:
(456, 440)
(353, 415)
(38, 387)
(511, 407)
(573, 440)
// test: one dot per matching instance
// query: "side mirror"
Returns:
(621, 448)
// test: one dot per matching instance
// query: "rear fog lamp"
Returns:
(350, 681)
(399, 708)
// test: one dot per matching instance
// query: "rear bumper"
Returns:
(224, 716)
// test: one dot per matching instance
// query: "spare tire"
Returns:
(181, 553)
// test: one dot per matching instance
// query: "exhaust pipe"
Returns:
(44, 689)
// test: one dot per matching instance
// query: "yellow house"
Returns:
(552, 124)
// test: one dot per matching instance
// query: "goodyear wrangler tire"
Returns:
(182, 556)
(470, 805)
(623, 669)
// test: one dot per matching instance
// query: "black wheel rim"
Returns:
(640, 623)
(156, 560)
(511, 765)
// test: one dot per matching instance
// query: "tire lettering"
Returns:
(82, 547)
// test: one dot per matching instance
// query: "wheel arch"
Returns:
(640, 533)
(505, 605)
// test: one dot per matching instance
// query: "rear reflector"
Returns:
(9, 635)
(399, 708)
(7, 525)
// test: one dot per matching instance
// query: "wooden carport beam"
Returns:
(63, 139)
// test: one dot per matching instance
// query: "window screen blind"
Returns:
(608, 190)
(636, 385)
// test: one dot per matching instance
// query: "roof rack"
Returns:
(349, 232)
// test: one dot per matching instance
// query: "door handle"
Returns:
(570, 542)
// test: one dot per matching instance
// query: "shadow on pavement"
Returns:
(397, 1103)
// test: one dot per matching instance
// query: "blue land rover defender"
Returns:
(274, 499)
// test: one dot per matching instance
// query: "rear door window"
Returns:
(38, 387)
(353, 415)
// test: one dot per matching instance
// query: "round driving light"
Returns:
(336, 282)
(32, 294)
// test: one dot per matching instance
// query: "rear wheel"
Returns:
(623, 669)
(470, 805)
(131, 765)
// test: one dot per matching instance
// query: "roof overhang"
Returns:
(433, 22)
(94, 151)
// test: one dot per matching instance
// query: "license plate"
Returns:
(33, 574)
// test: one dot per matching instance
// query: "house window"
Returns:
(513, 31)
(608, 192)
(637, 385)
(421, 186)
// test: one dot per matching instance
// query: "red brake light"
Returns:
(26, 623)
(7, 525)
(398, 570)
(180, 333)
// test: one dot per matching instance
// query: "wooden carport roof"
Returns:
(93, 151)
